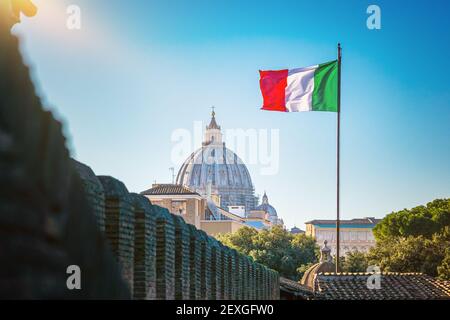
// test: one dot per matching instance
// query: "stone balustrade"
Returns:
(162, 257)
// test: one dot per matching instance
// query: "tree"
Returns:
(355, 261)
(411, 254)
(444, 267)
(305, 248)
(241, 240)
(414, 240)
(419, 221)
(276, 248)
(414, 254)
(442, 242)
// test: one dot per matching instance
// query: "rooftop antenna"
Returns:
(172, 169)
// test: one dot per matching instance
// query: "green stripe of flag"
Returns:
(325, 94)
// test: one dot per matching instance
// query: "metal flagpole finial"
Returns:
(339, 51)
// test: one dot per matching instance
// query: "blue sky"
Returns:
(134, 73)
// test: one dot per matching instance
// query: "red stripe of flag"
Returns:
(273, 84)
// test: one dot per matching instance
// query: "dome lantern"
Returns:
(213, 134)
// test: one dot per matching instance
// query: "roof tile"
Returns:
(168, 189)
(400, 286)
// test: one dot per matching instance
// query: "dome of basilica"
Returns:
(215, 169)
(265, 206)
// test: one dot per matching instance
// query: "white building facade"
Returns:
(355, 234)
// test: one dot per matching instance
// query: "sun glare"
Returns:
(54, 23)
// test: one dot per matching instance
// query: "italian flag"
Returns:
(312, 88)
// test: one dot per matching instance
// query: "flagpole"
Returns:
(338, 142)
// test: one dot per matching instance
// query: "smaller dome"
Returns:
(266, 207)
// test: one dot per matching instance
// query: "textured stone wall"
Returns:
(238, 275)
(182, 258)
(226, 283)
(232, 273)
(205, 266)
(119, 225)
(216, 270)
(195, 257)
(144, 249)
(94, 191)
(245, 278)
(251, 280)
(259, 282)
(165, 254)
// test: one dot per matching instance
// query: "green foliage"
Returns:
(354, 261)
(241, 240)
(276, 248)
(411, 254)
(414, 254)
(419, 221)
(444, 267)
(442, 241)
(414, 240)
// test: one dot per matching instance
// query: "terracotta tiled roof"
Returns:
(399, 286)
(168, 189)
(295, 288)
